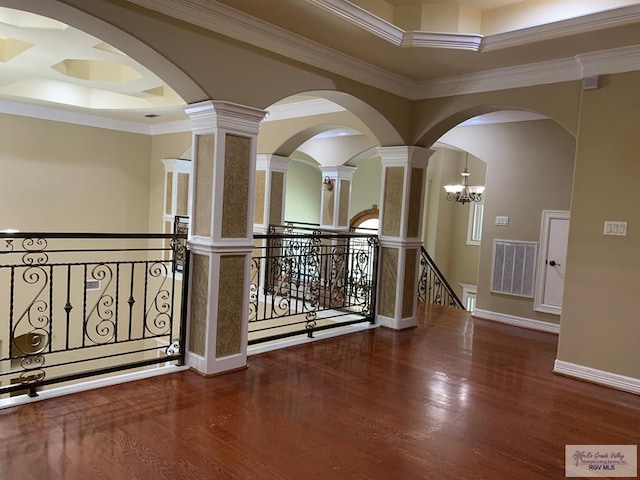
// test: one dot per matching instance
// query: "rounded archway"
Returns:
(529, 168)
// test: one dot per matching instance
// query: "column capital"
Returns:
(341, 172)
(275, 163)
(403, 155)
(209, 115)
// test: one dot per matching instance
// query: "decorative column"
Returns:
(271, 183)
(336, 193)
(221, 233)
(403, 183)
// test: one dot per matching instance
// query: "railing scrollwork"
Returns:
(76, 300)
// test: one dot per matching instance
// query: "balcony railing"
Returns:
(81, 305)
(304, 281)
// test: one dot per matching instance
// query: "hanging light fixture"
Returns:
(464, 193)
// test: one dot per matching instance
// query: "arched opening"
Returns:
(318, 131)
(529, 168)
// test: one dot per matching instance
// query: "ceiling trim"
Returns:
(232, 23)
(554, 71)
(477, 42)
(228, 21)
(394, 34)
(455, 41)
(619, 60)
(615, 60)
(46, 113)
(596, 21)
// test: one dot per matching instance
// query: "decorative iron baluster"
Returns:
(30, 346)
(157, 318)
(433, 288)
(311, 295)
(100, 324)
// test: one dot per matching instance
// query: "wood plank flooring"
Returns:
(455, 398)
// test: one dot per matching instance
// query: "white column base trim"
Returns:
(608, 379)
(90, 385)
(396, 324)
(216, 365)
(523, 322)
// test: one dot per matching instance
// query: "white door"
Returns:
(552, 262)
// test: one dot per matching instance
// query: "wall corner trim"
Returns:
(593, 375)
(523, 322)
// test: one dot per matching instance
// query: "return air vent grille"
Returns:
(514, 266)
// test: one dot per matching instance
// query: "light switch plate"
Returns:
(502, 221)
(617, 229)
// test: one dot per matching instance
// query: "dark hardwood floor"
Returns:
(455, 398)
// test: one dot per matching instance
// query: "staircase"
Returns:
(433, 288)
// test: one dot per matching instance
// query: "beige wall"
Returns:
(600, 327)
(529, 169)
(435, 117)
(64, 177)
(304, 183)
(162, 146)
(445, 234)
(365, 186)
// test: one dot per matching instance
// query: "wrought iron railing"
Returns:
(433, 287)
(80, 305)
(304, 281)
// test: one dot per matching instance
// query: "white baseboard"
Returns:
(608, 379)
(290, 342)
(89, 385)
(523, 322)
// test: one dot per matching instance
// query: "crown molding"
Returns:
(615, 60)
(563, 70)
(399, 37)
(86, 120)
(228, 21)
(596, 21)
(363, 19)
(455, 41)
(477, 42)
(232, 23)
(46, 113)
(179, 126)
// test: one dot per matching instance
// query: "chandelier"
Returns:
(464, 193)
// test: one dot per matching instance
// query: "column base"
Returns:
(216, 366)
(396, 323)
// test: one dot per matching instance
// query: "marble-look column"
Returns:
(336, 194)
(271, 184)
(403, 183)
(221, 234)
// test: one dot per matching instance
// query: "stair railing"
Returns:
(433, 287)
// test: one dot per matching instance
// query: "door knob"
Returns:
(553, 263)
